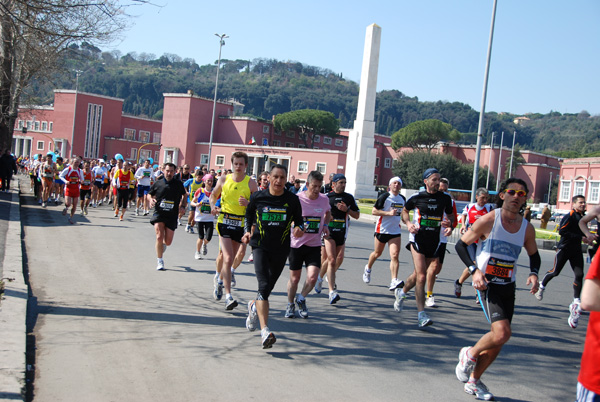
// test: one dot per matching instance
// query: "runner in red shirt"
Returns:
(121, 181)
(72, 176)
(85, 190)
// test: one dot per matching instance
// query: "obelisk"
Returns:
(361, 154)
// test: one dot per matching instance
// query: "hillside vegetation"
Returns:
(268, 87)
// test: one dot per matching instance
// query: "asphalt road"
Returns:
(108, 327)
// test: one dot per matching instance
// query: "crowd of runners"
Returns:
(307, 224)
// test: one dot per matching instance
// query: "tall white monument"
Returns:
(361, 154)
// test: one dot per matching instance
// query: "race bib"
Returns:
(86, 182)
(312, 224)
(73, 180)
(430, 221)
(273, 214)
(398, 207)
(205, 208)
(233, 220)
(166, 205)
(146, 174)
(337, 225)
(499, 271)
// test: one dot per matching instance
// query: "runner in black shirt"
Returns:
(424, 237)
(272, 211)
(183, 176)
(168, 197)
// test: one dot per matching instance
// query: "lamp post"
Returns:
(483, 98)
(78, 72)
(212, 125)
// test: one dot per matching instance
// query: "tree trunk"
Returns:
(6, 57)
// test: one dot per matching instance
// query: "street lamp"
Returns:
(78, 72)
(212, 125)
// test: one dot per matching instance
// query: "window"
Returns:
(339, 142)
(387, 163)
(36, 125)
(321, 167)
(40, 145)
(289, 145)
(317, 138)
(204, 159)
(156, 138)
(302, 167)
(579, 188)
(278, 133)
(276, 143)
(327, 140)
(565, 190)
(28, 125)
(375, 180)
(301, 146)
(266, 130)
(93, 128)
(50, 126)
(144, 136)
(133, 154)
(290, 134)
(220, 160)
(377, 162)
(20, 124)
(44, 126)
(594, 192)
(129, 134)
(156, 157)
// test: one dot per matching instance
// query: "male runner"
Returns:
(143, 176)
(234, 190)
(505, 232)
(48, 170)
(59, 185)
(429, 208)
(272, 211)
(471, 213)
(316, 212)
(72, 176)
(168, 197)
(388, 208)
(343, 206)
(203, 216)
(569, 249)
(85, 190)
(183, 175)
(100, 173)
(122, 180)
(192, 185)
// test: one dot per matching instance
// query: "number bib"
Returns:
(430, 221)
(166, 205)
(312, 224)
(337, 225)
(273, 215)
(499, 271)
(398, 207)
(233, 220)
(205, 208)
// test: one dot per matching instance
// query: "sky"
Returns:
(545, 53)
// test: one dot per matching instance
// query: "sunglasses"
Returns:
(520, 193)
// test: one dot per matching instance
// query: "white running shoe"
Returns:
(197, 255)
(137, 212)
(430, 301)
(161, 265)
(251, 257)
(268, 338)
(465, 365)
(333, 297)
(478, 389)
(575, 310)
(540, 293)
(319, 285)
(424, 320)
(399, 303)
(252, 319)
(302, 309)
(367, 275)
(204, 249)
(230, 303)
(396, 284)
(290, 311)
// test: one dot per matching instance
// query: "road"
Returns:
(108, 327)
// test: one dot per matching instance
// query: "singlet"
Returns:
(589, 374)
(203, 210)
(99, 173)
(474, 212)
(124, 179)
(387, 202)
(168, 195)
(47, 171)
(87, 180)
(313, 213)
(59, 168)
(230, 195)
(193, 187)
(72, 178)
(498, 254)
(429, 210)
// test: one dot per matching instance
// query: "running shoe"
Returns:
(302, 309)
(197, 255)
(179, 222)
(478, 389)
(86, 210)
(457, 288)
(116, 214)
(290, 311)
(574, 315)
(121, 218)
(161, 265)
(146, 213)
(333, 297)
(367, 275)
(251, 257)
(204, 249)
(252, 319)
(396, 284)
(230, 303)
(233, 282)
(64, 211)
(191, 229)
(319, 285)
(218, 291)
(424, 320)
(71, 221)
(137, 212)
(399, 303)
(430, 301)
(268, 338)
(540, 293)
(187, 228)
(43, 205)
(465, 365)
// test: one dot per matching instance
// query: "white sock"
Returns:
(228, 296)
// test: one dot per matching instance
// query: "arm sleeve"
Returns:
(534, 263)
(250, 214)
(463, 253)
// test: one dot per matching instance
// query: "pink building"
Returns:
(579, 177)
(87, 125)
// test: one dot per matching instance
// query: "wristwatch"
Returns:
(472, 269)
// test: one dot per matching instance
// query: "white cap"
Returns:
(395, 178)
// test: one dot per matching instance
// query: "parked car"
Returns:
(557, 217)
(536, 214)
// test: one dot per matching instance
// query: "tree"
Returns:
(34, 36)
(425, 133)
(410, 166)
(308, 122)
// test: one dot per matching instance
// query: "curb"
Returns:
(14, 310)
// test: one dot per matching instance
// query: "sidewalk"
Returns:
(13, 308)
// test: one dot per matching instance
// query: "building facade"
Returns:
(579, 176)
